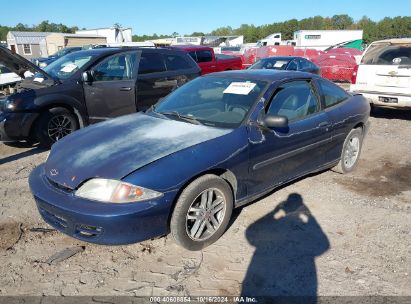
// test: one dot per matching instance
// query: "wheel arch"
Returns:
(227, 175)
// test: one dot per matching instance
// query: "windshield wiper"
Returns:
(181, 117)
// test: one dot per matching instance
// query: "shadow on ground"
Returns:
(287, 240)
(388, 113)
(20, 155)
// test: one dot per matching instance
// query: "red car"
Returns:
(209, 62)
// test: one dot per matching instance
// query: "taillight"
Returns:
(354, 75)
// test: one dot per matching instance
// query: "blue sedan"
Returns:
(216, 143)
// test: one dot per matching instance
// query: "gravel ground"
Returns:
(326, 234)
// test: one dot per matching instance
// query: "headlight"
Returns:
(114, 191)
(42, 64)
(9, 105)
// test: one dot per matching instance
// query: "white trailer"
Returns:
(322, 39)
(273, 39)
(112, 34)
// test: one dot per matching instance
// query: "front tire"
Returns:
(202, 212)
(351, 152)
(53, 125)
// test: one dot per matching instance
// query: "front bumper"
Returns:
(16, 126)
(100, 223)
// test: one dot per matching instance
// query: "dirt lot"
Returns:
(327, 234)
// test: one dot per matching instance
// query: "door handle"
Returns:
(125, 89)
(323, 124)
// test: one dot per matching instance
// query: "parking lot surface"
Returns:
(326, 234)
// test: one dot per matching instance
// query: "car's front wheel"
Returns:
(202, 212)
(351, 152)
(54, 124)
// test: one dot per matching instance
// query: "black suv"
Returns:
(85, 87)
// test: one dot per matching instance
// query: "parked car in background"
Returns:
(224, 140)
(43, 62)
(289, 63)
(85, 87)
(384, 73)
(208, 61)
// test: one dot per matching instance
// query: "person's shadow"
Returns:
(286, 242)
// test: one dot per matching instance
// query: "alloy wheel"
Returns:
(352, 151)
(59, 126)
(205, 215)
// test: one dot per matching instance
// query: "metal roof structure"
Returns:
(29, 37)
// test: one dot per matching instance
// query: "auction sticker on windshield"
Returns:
(240, 88)
(69, 68)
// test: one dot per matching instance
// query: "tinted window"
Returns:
(304, 64)
(388, 55)
(332, 93)
(117, 67)
(193, 55)
(151, 63)
(293, 66)
(4, 70)
(204, 56)
(295, 100)
(176, 62)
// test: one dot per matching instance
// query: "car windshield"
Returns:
(387, 54)
(271, 63)
(64, 67)
(61, 52)
(213, 100)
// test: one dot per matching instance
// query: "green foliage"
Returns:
(385, 28)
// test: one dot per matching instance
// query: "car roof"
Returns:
(263, 74)
(393, 41)
(191, 47)
(114, 50)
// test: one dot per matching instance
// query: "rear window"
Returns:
(176, 62)
(388, 55)
(204, 56)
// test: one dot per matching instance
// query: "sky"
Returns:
(185, 17)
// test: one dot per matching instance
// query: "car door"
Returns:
(282, 154)
(153, 80)
(112, 91)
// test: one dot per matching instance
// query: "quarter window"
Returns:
(27, 49)
(117, 67)
(151, 63)
(332, 93)
(295, 100)
(176, 62)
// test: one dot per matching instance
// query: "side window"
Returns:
(151, 63)
(295, 100)
(117, 67)
(176, 62)
(193, 55)
(204, 56)
(332, 93)
(292, 66)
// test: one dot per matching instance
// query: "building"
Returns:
(112, 34)
(27, 44)
(322, 39)
(57, 41)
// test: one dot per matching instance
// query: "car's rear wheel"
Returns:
(351, 152)
(202, 212)
(53, 125)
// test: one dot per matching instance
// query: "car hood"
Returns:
(18, 64)
(115, 148)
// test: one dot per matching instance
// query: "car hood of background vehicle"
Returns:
(115, 148)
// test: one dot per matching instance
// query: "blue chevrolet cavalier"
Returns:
(214, 144)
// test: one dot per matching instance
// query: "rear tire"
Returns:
(202, 212)
(54, 124)
(350, 153)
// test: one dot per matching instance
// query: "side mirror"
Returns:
(275, 121)
(87, 77)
